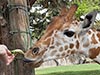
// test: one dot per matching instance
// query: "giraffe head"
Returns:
(80, 28)
(59, 38)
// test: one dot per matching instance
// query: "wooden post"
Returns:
(19, 21)
(2, 23)
(0, 34)
(16, 35)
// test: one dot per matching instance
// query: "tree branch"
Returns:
(31, 2)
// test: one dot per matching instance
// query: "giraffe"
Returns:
(64, 37)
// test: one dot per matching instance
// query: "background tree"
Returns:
(44, 10)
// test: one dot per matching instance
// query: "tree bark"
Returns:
(16, 35)
(0, 35)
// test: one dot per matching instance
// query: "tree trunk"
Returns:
(0, 34)
(16, 35)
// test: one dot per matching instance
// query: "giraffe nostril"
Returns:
(35, 50)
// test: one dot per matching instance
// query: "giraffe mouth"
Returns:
(33, 63)
(36, 65)
(27, 60)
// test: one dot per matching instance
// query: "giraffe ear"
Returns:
(89, 20)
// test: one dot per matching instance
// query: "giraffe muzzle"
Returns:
(27, 60)
(33, 63)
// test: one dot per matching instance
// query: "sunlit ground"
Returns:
(83, 69)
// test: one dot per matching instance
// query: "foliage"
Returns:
(83, 69)
(86, 6)
(41, 14)
(44, 10)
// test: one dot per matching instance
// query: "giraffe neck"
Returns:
(91, 44)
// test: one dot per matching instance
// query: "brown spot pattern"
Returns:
(66, 47)
(71, 46)
(93, 39)
(98, 36)
(73, 51)
(93, 52)
(89, 32)
(52, 47)
(58, 55)
(77, 44)
(68, 51)
(53, 52)
(63, 54)
(75, 36)
(61, 49)
(57, 44)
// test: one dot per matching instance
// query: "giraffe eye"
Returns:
(35, 50)
(69, 33)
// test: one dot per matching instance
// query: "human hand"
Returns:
(5, 55)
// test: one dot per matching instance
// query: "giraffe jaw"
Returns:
(36, 63)
(33, 63)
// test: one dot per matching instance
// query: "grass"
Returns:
(84, 69)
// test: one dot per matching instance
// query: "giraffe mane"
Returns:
(59, 21)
